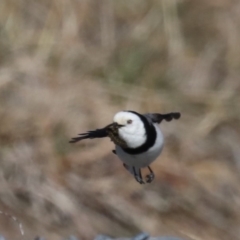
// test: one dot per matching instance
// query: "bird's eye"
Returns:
(129, 121)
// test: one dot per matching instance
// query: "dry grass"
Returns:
(68, 66)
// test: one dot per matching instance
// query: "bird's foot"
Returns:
(137, 176)
(139, 179)
(150, 177)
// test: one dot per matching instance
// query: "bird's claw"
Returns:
(138, 176)
(150, 177)
(139, 179)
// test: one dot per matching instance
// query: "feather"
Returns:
(158, 117)
(110, 131)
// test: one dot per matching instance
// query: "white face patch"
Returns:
(133, 132)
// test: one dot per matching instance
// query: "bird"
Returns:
(137, 138)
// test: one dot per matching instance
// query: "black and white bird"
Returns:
(137, 137)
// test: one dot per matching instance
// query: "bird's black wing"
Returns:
(158, 117)
(98, 133)
(110, 131)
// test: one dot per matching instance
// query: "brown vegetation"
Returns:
(69, 66)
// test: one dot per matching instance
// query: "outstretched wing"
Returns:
(98, 133)
(158, 117)
(110, 131)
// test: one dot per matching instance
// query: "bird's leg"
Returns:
(150, 176)
(138, 176)
(132, 170)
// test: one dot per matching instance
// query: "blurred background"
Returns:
(69, 66)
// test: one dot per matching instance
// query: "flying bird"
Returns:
(137, 137)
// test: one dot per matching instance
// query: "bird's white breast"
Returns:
(146, 158)
(133, 139)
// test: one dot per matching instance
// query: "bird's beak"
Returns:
(115, 124)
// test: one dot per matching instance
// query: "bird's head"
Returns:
(131, 128)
